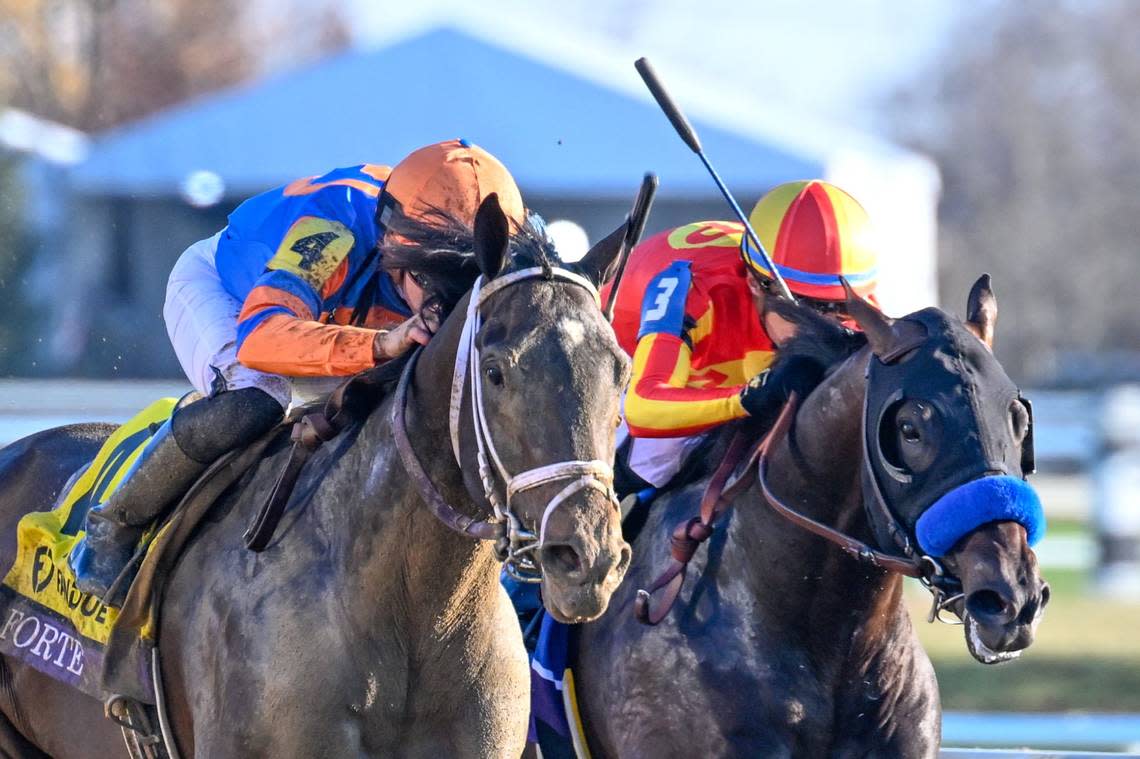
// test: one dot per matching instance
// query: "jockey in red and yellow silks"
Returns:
(696, 340)
(688, 312)
(290, 296)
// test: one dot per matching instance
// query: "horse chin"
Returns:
(979, 650)
(574, 604)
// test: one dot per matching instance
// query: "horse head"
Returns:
(545, 376)
(948, 444)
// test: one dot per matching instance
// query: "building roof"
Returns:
(561, 132)
(54, 143)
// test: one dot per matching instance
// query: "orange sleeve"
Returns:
(282, 344)
(277, 333)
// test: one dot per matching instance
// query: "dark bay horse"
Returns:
(368, 628)
(783, 645)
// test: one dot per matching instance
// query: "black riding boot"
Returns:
(180, 451)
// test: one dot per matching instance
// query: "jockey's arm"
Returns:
(660, 402)
(278, 327)
(278, 333)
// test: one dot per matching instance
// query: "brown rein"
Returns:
(318, 427)
(717, 499)
(440, 508)
(689, 535)
(854, 548)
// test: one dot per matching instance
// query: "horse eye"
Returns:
(909, 431)
(494, 375)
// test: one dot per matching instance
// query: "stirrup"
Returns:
(141, 739)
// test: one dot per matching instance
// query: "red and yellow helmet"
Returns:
(453, 176)
(815, 234)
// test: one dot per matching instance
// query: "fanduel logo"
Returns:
(42, 568)
(44, 640)
(44, 571)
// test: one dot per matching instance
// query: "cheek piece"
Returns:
(976, 503)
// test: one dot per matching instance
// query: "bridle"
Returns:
(945, 589)
(515, 544)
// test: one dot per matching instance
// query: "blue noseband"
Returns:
(978, 502)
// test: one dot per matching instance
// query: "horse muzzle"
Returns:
(1004, 595)
(581, 570)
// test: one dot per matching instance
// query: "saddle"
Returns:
(129, 654)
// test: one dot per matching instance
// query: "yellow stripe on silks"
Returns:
(665, 415)
(40, 571)
(574, 716)
(703, 327)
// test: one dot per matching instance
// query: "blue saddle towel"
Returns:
(554, 723)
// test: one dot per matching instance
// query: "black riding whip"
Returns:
(635, 227)
(689, 136)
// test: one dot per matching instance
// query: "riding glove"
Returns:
(763, 396)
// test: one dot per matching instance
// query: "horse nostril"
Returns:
(985, 605)
(561, 558)
(1045, 592)
(626, 557)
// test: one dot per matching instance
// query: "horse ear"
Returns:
(601, 262)
(492, 236)
(982, 311)
(877, 326)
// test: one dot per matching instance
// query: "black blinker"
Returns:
(1028, 457)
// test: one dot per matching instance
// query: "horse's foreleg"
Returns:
(12, 741)
(13, 745)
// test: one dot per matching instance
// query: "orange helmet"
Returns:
(453, 176)
(815, 234)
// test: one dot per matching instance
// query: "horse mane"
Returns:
(439, 249)
(816, 336)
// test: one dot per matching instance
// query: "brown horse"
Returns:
(369, 628)
(787, 646)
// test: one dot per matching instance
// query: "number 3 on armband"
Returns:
(665, 288)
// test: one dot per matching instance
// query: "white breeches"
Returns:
(201, 319)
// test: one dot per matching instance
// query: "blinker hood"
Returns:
(968, 435)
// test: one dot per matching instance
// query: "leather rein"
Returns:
(719, 496)
(515, 544)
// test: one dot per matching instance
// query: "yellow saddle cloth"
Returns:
(45, 620)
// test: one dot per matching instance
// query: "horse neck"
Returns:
(816, 470)
(443, 576)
